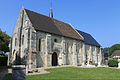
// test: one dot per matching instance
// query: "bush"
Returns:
(113, 63)
(36, 70)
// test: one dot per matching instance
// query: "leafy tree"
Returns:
(4, 41)
(113, 48)
(106, 49)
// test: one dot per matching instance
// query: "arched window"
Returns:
(55, 40)
(15, 41)
(40, 44)
(93, 54)
(76, 47)
(69, 47)
(22, 39)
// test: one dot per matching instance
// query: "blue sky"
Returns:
(100, 18)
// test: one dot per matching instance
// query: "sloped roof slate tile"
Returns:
(44, 23)
(88, 39)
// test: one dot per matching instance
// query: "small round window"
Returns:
(55, 40)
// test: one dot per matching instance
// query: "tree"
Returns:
(113, 48)
(106, 49)
(4, 41)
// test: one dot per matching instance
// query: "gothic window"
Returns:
(79, 48)
(76, 47)
(33, 38)
(55, 40)
(65, 45)
(49, 44)
(92, 54)
(68, 46)
(26, 22)
(40, 44)
(22, 39)
(98, 50)
(15, 41)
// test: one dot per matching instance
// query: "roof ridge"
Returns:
(36, 12)
(83, 31)
(46, 16)
(52, 26)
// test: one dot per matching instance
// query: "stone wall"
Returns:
(20, 31)
(38, 47)
(70, 51)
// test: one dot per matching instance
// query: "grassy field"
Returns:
(73, 73)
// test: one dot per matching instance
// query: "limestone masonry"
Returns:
(42, 41)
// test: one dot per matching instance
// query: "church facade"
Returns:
(42, 41)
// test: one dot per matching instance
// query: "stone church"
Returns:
(42, 41)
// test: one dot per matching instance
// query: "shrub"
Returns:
(36, 70)
(113, 63)
(30, 71)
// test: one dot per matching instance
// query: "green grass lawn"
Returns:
(73, 73)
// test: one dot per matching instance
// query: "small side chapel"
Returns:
(42, 41)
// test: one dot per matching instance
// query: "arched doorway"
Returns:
(54, 59)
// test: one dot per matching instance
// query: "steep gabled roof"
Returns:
(88, 39)
(46, 24)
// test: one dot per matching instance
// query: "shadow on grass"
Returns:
(8, 77)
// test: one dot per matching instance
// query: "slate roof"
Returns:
(88, 39)
(46, 24)
(116, 53)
